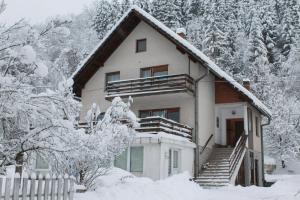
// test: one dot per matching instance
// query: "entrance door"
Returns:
(235, 128)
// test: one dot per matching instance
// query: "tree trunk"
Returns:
(19, 163)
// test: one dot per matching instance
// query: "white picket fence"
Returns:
(43, 187)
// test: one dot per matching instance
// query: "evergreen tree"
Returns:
(196, 8)
(144, 4)
(257, 62)
(104, 19)
(164, 11)
(182, 11)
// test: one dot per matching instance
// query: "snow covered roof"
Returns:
(140, 14)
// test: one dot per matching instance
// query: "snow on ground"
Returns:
(121, 185)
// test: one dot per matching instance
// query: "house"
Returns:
(194, 116)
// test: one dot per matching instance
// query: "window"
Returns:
(141, 45)
(41, 163)
(136, 159)
(250, 123)
(161, 70)
(169, 113)
(121, 160)
(112, 76)
(174, 159)
(257, 126)
(131, 159)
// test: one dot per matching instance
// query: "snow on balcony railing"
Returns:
(160, 124)
(150, 85)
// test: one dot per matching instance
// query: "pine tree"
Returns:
(125, 5)
(105, 18)
(196, 8)
(182, 11)
(164, 11)
(257, 62)
(144, 4)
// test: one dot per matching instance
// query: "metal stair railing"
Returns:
(237, 153)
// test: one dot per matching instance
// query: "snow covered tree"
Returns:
(182, 11)
(105, 139)
(257, 64)
(144, 4)
(106, 15)
(196, 8)
(164, 11)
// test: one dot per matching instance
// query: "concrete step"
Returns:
(225, 178)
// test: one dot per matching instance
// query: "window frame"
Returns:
(165, 110)
(128, 159)
(257, 126)
(250, 120)
(111, 73)
(154, 69)
(137, 45)
(171, 164)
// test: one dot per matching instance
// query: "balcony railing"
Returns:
(160, 124)
(150, 86)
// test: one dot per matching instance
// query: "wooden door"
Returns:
(235, 128)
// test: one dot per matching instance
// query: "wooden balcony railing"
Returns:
(150, 86)
(160, 124)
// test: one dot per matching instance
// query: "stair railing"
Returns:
(237, 153)
(206, 143)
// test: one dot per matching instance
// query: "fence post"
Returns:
(40, 187)
(53, 187)
(46, 191)
(65, 190)
(17, 181)
(72, 189)
(32, 186)
(24, 186)
(7, 188)
(1, 183)
(59, 189)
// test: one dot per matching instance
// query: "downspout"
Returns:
(262, 148)
(197, 151)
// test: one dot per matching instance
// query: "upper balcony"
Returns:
(150, 86)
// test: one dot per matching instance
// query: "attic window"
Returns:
(141, 45)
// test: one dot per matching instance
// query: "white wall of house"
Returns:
(206, 111)
(156, 153)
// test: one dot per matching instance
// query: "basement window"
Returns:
(141, 45)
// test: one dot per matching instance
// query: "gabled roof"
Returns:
(124, 27)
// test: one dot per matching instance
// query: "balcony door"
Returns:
(154, 71)
(169, 113)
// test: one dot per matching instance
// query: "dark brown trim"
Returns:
(173, 109)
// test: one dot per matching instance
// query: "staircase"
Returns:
(223, 166)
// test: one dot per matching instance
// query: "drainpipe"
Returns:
(196, 134)
(262, 148)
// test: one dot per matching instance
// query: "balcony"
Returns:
(155, 125)
(150, 86)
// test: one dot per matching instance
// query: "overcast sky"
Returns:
(38, 10)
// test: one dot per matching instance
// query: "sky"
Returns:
(36, 11)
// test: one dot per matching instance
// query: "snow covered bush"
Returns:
(104, 140)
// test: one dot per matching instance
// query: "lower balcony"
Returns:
(150, 86)
(155, 125)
